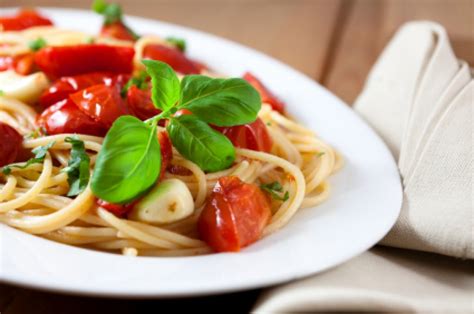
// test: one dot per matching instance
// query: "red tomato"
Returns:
(101, 102)
(22, 64)
(24, 19)
(234, 216)
(166, 152)
(119, 210)
(67, 85)
(66, 117)
(10, 144)
(252, 136)
(140, 104)
(74, 60)
(173, 56)
(266, 95)
(117, 30)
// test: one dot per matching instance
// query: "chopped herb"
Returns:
(112, 12)
(269, 123)
(90, 40)
(40, 154)
(180, 43)
(37, 44)
(36, 133)
(139, 81)
(78, 167)
(2, 93)
(320, 154)
(275, 190)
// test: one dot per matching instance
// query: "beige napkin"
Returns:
(419, 98)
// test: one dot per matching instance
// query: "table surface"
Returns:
(333, 41)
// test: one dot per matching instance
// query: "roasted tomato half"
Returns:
(234, 216)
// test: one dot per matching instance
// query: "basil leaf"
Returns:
(129, 162)
(177, 42)
(201, 144)
(40, 154)
(222, 102)
(275, 189)
(37, 44)
(78, 167)
(165, 88)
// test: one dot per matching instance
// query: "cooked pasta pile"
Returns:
(35, 199)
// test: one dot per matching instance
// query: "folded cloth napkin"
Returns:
(419, 98)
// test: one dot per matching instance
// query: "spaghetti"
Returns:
(34, 199)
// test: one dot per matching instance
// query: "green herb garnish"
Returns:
(275, 190)
(139, 81)
(40, 154)
(112, 13)
(37, 44)
(77, 169)
(2, 93)
(180, 43)
(129, 162)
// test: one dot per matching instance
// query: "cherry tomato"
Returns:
(140, 104)
(67, 85)
(119, 210)
(74, 60)
(166, 152)
(266, 95)
(117, 30)
(22, 64)
(66, 117)
(252, 136)
(100, 102)
(173, 56)
(10, 144)
(234, 216)
(22, 20)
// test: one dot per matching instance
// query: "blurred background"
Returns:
(335, 42)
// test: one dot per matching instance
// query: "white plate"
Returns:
(365, 201)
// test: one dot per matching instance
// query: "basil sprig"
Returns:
(77, 169)
(129, 162)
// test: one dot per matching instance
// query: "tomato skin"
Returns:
(100, 102)
(24, 19)
(140, 104)
(74, 60)
(234, 216)
(66, 117)
(119, 210)
(67, 85)
(172, 56)
(266, 95)
(117, 30)
(252, 136)
(166, 152)
(10, 144)
(22, 64)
